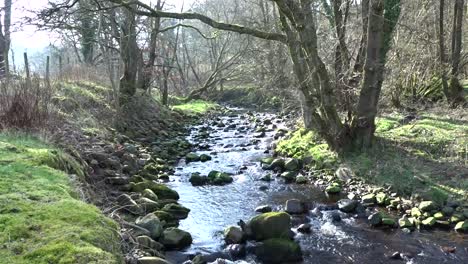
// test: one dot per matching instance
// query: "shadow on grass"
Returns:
(391, 163)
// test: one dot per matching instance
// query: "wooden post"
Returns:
(60, 67)
(26, 67)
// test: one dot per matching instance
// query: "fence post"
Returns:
(47, 77)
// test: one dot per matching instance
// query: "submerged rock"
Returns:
(279, 251)
(219, 178)
(205, 158)
(270, 225)
(174, 238)
(192, 157)
(304, 228)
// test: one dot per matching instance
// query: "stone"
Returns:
(147, 193)
(347, 205)
(344, 173)
(368, 199)
(277, 164)
(375, 219)
(278, 251)
(234, 235)
(267, 161)
(117, 180)
(152, 260)
(151, 223)
(404, 222)
(263, 209)
(381, 198)
(270, 225)
(294, 206)
(426, 206)
(428, 222)
(335, 217)
(192, 157)
(205, 158)
(438, 215)
(174, 238)
(176, 210)
(146, 242)
(291, 164)
(301, 179)
(161, 190)
(289, 176)
(197, 180)
(304, 228)
(148, 205)
(219, 178)
(462, 226)
(333, 188)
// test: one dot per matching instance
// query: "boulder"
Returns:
(415, 212)
(405, 222)
(219, 178)
(205, 158)
(152, 260)
(347, 205)
(381, 198)
(148, 205)
(147, 243)
(294, 206)
(174, 238)
(176, 210)
(234, 235)
(291, 164)
(161, 190)
(277, 164)
(270, 225)
(304, 228)
(266, 178)
(151, 223)
(278, 251)
(344, 173)
(426, 206)
(192, 157)
(289, 176)
(388, 221)
(197, 180)
(267, 161)
(129, 204)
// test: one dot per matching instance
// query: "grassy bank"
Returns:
(196, 107)
(42, 219)
(426, 156)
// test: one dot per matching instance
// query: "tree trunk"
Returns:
(129, 54)
(442, 59)
(5, 40)
(456, 90)
(379, 34)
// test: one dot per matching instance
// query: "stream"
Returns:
(236, 148)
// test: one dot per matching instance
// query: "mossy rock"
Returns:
(205, 158)
(462, 227)
(176, 239)
(428, 222)
(147, 193)
(177, 210)
(197, 180)
(219, 178)
(267, 161)
(161, 190)
(278, 251)
(381, 198)
(368, 199)
(333, 188)
(270, 225)
(427, 206)
(192, 157)
(405, 222)
(289, 176)
(388, 221)
(291, 164)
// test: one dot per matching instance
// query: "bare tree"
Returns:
(5, 39)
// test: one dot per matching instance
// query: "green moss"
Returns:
(196, 106)
(302, 144)
(41, 221)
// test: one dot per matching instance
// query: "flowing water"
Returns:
(236, 149)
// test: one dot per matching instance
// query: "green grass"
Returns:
(196, 107)
(427, 157)
(41, 218)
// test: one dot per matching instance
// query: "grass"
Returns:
(41, 218)
(196, 107)
(427, 156)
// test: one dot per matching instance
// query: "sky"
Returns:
(28, 38)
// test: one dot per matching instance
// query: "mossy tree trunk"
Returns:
(129, 54)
